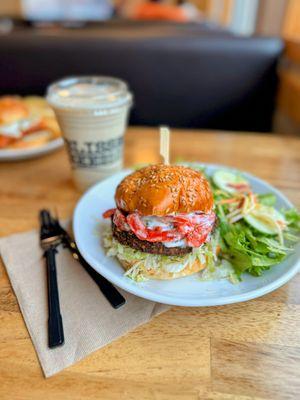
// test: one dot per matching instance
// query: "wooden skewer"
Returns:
(165, 144)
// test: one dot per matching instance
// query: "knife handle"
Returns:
(55, 325)
(109, 291)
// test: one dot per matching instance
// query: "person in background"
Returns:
(152, 10)
(158, 10)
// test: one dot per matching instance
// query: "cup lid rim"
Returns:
(118, 97)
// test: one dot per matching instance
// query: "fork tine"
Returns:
(45, 218)
(56, 224)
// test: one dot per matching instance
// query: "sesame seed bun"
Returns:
(164, 189)
(190, 269)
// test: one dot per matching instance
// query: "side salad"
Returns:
(252, 234)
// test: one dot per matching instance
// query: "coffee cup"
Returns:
(92, 112)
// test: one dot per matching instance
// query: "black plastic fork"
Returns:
(49, 240)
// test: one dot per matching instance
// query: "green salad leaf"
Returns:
(249, 251)
(292, 217)
(268, 199)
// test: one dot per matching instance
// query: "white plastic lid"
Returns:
(89, 92)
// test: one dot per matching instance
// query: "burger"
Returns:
(163, 222)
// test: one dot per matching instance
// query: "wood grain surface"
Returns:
(287, 117)
(243, 351)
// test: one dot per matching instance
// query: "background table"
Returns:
(241, 351)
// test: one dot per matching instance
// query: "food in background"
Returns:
(26, 122)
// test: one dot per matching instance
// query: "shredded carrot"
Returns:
(229, 201)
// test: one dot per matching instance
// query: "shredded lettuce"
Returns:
(141, 262)
(223, 269)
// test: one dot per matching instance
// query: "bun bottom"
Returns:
(190, 269)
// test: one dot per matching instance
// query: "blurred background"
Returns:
(215, 64)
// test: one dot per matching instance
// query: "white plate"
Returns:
(188, 291)
(24, 154)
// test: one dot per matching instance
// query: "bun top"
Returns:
(11, 109)
(164, 189)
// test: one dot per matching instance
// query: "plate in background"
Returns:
(188, 291)
(33, 152)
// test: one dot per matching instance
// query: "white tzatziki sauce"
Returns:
(152, 222)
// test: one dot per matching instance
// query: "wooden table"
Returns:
(241, 351)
